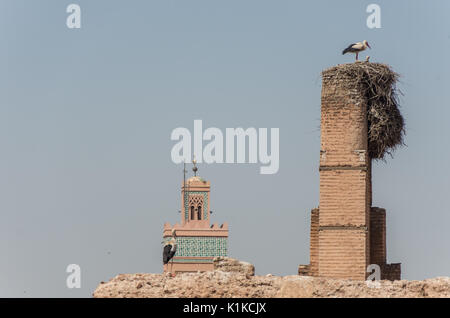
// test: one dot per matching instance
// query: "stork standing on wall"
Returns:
(170, 248)
(356, 48)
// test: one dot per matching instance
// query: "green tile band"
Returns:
(192, 260)
(201, 246)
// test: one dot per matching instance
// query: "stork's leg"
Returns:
(357, 55)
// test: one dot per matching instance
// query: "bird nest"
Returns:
(376, 82)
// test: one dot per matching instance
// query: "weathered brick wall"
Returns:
(344, 242)
(391, 271)
(314, 243)
(342, 253)
(377, 236)
(343, 197)
(369, 183)
(343, 123)
(304, 270)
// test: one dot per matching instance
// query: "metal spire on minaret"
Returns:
(195, 169)
(184, 176)
(184, 185)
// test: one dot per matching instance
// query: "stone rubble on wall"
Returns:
(228, 264)
(232, 278)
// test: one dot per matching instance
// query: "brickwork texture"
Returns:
(347, 234)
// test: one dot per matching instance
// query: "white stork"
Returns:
(170, 248)
(356, 48)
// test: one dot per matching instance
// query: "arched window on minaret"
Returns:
(199, 212)
(192, 212)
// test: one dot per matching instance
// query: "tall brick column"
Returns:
(344, 218)
(347, 233)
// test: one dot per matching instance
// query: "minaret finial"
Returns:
(194, 162)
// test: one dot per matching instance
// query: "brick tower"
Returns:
(198, 242)
(347, 233)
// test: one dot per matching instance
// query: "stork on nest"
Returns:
(356, 48)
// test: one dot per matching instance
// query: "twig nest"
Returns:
(377, 84)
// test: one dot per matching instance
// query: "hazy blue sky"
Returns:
(86, 115)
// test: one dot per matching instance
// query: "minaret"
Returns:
(198, 242)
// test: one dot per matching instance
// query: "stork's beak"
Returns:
(369, 46)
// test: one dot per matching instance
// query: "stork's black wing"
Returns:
(167, 253)
(349, 49)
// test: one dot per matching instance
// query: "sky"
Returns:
(86, 115)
